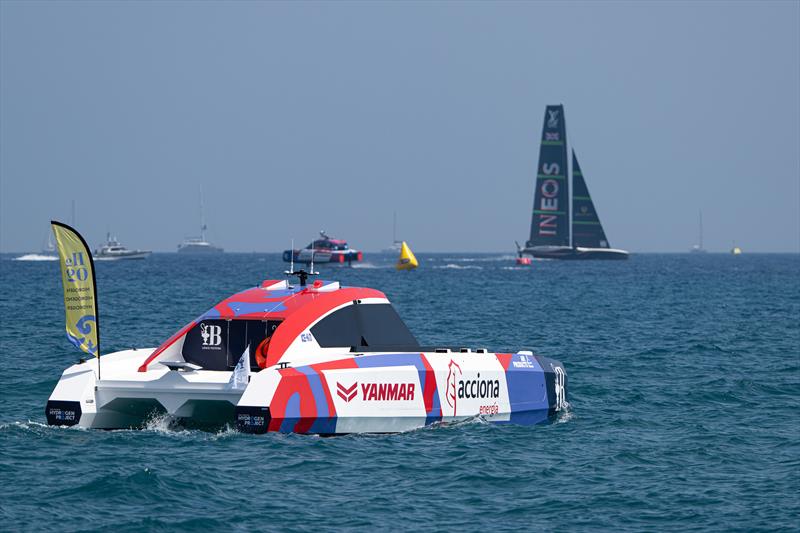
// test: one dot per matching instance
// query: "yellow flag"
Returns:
(407, 261)
(80, 291)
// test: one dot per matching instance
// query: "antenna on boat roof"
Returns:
(312, 273)
(301, 274)
(291, 265)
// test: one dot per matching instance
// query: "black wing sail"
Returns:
(550, 221)
(586, 228)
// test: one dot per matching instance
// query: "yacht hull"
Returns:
(303, 256)
(119, 257)
(577, 253)
(190, 249)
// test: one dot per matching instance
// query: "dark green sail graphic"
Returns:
(586, 228)
(550, 221)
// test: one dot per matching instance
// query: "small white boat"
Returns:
(396, 246)
(199, 245)
(698, 248)
(112, 250)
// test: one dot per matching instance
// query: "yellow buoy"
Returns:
(407, 261)
(736, 250)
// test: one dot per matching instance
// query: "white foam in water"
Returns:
(36, 257)
(460, 267)
(487, 259)
(565, 414)
(163, 423)
(226, 432)
(366, 265)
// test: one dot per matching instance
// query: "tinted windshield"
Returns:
(218, 344)
(363, 325)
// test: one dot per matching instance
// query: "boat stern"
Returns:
(72, 402)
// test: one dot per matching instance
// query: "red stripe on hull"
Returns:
(293, 382)
(505, 360)
(331, 365)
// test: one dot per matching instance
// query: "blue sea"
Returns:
(684, 386)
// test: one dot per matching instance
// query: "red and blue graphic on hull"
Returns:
(303, 402)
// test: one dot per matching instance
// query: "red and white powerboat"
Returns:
(324, 250)
(307, 358)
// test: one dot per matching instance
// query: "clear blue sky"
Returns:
(300, 116)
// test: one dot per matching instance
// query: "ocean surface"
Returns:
(684, 385)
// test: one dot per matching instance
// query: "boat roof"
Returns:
(298, 307)
(276, 299)
(332, 241)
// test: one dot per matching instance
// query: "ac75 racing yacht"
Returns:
(308, 358)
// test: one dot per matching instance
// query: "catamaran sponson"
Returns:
(551, 222)
(325, 359)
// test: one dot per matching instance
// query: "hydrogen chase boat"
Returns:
(302, 357)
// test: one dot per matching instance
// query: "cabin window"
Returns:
(363, 325)
(218, 344)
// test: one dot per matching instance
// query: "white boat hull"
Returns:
(125, 398)
(366, 393)
(119, 257)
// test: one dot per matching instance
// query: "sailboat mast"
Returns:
(394, 227)
(202, 218)
(569, 179)
(701, 229)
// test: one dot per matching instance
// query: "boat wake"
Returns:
(454, 266)
(490, 259)
(30, 425)
(565, 414)
(163, 423)
(36, 257)
(367, 266)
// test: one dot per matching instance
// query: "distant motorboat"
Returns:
(112, 250)
(323, 250)
(521, 259)
(48, 252)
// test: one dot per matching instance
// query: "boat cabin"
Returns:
(281, 323)
(328, 244)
